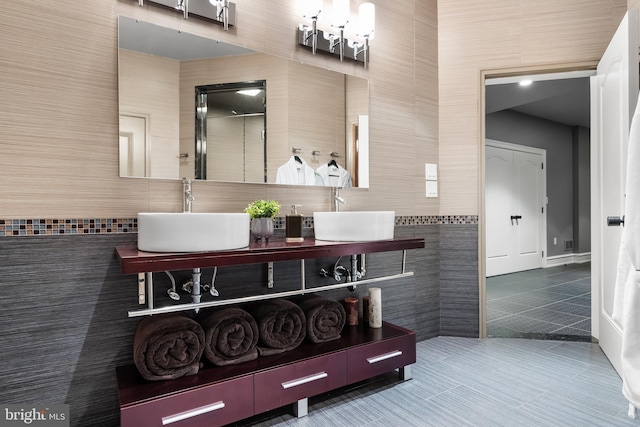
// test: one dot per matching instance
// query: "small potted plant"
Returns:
(262, 213)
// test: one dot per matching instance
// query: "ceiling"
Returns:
(562, 100)
(141, 36)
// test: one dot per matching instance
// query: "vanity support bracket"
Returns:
(149, 290)
(404, 260)
(195, 290)
(303, 283)
(270, 275)
(242, 300)
(196, 297)
(141, 289)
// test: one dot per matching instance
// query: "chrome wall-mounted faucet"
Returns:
(187, 195)
(337, 200)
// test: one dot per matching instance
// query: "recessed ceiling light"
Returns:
(525, 82)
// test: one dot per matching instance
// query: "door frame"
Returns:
(589, 66)
(130, 135)
(542, 236)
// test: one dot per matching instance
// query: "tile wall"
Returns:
(66, 327)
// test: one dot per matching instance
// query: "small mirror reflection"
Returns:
(231, 132)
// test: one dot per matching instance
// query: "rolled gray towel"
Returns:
(325, 318)
(231, 335)
(168, 346)
(281, 326)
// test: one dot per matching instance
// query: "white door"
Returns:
(614, 93)
(134, 152)
(515, 217)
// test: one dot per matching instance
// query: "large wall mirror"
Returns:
(195, 107)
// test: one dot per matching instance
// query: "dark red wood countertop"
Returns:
(134, 261)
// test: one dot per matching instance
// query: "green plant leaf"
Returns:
(263, 209)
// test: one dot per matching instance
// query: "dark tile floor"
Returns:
(547, 303)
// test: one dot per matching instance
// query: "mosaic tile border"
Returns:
(436, 219)
(279, 222)
(48, 227)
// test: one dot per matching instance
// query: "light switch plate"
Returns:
(431, 171)
(432, 188)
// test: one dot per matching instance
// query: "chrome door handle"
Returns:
(615, 221)
(385, 356)
(304, 380)
(192, 413)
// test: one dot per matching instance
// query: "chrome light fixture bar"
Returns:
(332, 39)
(310, 10)
(222, 12)
(183, 6)
(219, 11)
(340, 21)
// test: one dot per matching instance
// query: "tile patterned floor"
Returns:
(470, 382)
(549, 303)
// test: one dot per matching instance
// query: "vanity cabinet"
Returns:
(289, 383)
(221, 395)
(219, 403)
(377, 357)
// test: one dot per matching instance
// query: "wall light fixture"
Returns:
(183, 6)
(310, 10)
(221, 11)
(329, 34)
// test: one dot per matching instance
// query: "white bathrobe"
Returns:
(334, 176)
(626, 310)
(296, 173)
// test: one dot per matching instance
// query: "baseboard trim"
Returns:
(554, 261)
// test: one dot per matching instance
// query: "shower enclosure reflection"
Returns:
(231, 132)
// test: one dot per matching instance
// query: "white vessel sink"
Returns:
(192, 232)
(357, 226)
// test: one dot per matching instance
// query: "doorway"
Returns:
(231, 132)
(550, 112)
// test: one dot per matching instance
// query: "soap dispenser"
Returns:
(293, 223)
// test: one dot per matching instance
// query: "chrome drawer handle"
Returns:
(192, 413)
(304, 380)
(386, 356)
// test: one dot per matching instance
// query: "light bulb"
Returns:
(309, 8)
(367, 20)
(340, 13)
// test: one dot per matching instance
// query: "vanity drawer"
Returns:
(376, 358)
(212, 405)
(288, 384)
